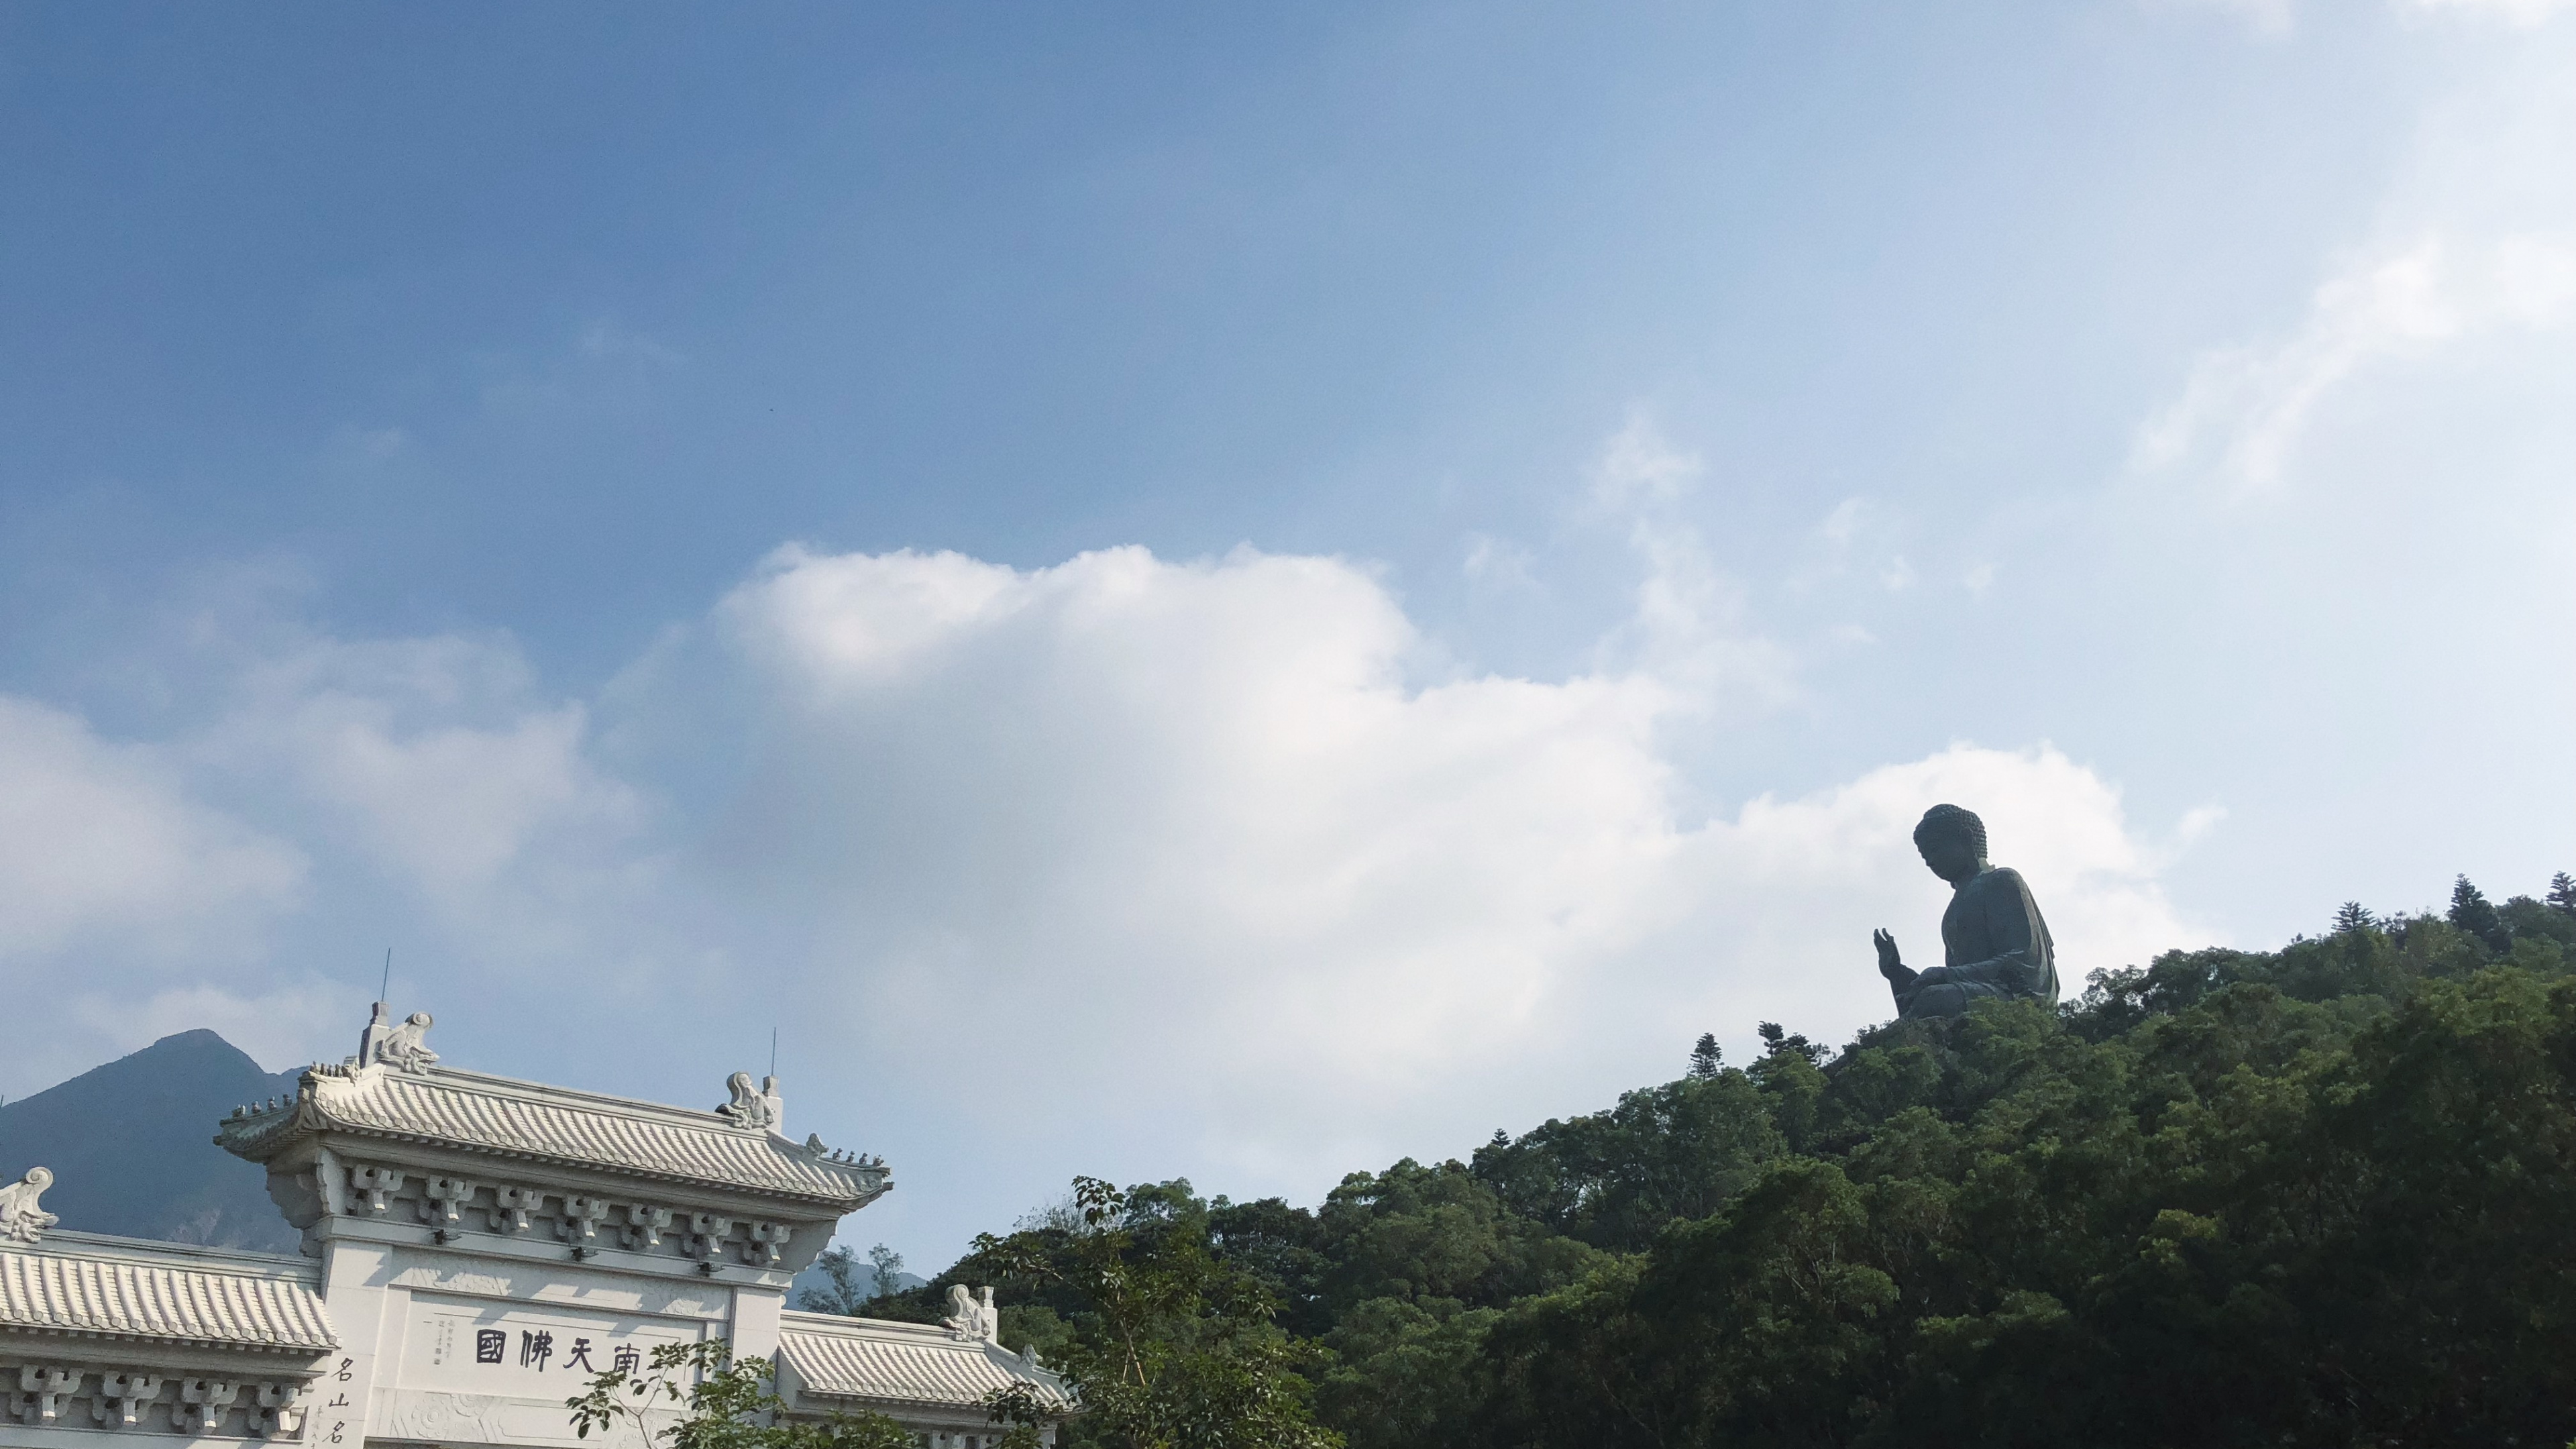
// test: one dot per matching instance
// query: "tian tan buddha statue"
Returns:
(1993, 943)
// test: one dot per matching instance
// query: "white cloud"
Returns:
(2517, 12)
(1197, 816)
(2249, 405)
(117, 881)
(2276, 19)
(1499, 563)
(354, 446)
(434, 757)
(1689, 630)
(1784, 894)
(1267, 886)
(2196, 822)
(1639, 467)
(2472, 253)
(103, 848)
(2270, 19)
(605, 340)
(278, 1027)
(1844, 521)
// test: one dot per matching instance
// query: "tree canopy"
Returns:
(2319, 1195)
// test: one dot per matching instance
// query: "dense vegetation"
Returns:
(2315, 1196)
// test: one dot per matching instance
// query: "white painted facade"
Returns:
(474, 1249)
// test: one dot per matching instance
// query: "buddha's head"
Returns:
(1953, 842)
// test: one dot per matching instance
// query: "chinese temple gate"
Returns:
(475, 1249)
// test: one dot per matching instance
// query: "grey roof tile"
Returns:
(873, 1359)
(77, 1283)
(528, 1121)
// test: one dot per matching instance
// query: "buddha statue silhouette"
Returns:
(1993, 942)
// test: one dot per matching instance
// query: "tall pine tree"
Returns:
(1778, 1038)
(1704, 1057)
(2353, 917)
(2472, 912)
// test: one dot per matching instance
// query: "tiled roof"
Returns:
(866, 1358)
(78, 1283)
(530, 1122)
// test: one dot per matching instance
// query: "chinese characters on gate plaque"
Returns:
(536, 1346)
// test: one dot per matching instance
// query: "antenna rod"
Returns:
(388, 983)
(773, 1051)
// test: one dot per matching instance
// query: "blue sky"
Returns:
(1241, 595)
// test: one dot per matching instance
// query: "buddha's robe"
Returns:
(1993, 943)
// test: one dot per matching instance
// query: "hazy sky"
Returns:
(1173, 593)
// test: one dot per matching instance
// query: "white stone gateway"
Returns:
(475, 1248)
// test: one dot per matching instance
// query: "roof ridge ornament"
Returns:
(971, 1315)
(401, 1045)
(761, 1111)
(404, 1048)
(21, 1220)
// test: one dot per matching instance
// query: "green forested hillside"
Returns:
(2323, 1195)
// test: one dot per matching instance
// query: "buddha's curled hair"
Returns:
(1945, 819)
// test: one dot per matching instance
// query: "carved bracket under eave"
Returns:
(49, 1396)
(122, 1398)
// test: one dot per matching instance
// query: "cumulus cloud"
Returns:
(1205, 788)
(1212, 866)
(1197, 816)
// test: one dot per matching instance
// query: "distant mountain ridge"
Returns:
(131, 1145)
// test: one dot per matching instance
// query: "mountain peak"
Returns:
(130, 1145)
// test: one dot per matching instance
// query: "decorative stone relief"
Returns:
(443, 1200)
(512, 1205)
(379, 1184)
(450, 1418)
(46, 1389)
(644, 1226)
(21, 1220)
(202, 1405)
(122, 1397)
